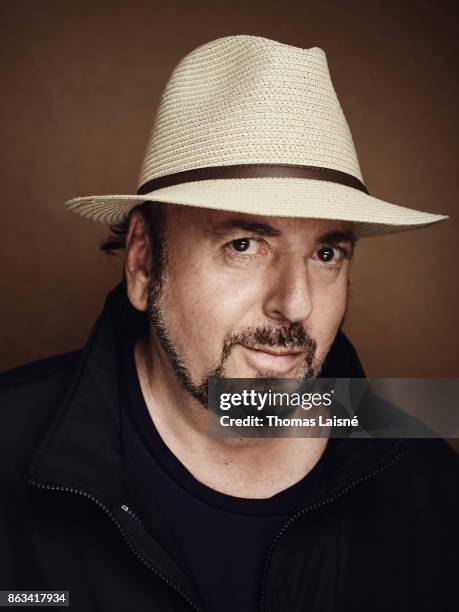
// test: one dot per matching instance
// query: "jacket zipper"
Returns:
(315, 506)
(126, 538)
(135, 516)
(281, 532)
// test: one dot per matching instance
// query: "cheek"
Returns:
(328, 310)
(200, 307)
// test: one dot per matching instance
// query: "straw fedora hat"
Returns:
(251, 125)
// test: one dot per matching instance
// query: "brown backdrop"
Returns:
(81, 80)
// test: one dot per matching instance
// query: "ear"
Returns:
(137, 264)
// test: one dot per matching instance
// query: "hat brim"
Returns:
(280, 197)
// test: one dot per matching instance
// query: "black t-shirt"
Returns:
(219, 541)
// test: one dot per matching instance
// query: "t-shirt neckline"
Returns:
(285, 502)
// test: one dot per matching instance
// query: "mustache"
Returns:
(292, 337)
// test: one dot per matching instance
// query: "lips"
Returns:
(268, 358)
(271, 351)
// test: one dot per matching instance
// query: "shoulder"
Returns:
(429, 471)
(36, 383)
(430, 456)
(43, 369)
(30, 396)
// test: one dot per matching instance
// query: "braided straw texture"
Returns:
(244, 100)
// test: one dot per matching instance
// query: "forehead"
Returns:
(212, 223)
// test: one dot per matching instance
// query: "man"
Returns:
(238, 249)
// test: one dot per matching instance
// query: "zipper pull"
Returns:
(132, 514)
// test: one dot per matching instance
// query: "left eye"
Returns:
(330, 255)
(245, 245)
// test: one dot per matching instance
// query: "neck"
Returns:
(241, 467)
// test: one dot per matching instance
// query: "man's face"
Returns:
(247, 296)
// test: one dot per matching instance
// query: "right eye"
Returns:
(248, 246)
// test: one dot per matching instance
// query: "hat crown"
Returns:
(244, 100)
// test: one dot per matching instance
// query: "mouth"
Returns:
(275, 352)
(272, 359)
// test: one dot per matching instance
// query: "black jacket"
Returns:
(380, 535)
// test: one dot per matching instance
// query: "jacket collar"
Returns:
(83, 449)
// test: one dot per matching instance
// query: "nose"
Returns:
(289, 294)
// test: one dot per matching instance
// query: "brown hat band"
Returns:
(242, 171)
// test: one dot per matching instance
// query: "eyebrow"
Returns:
(264, 229)
(337, 237)
(261, 229)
